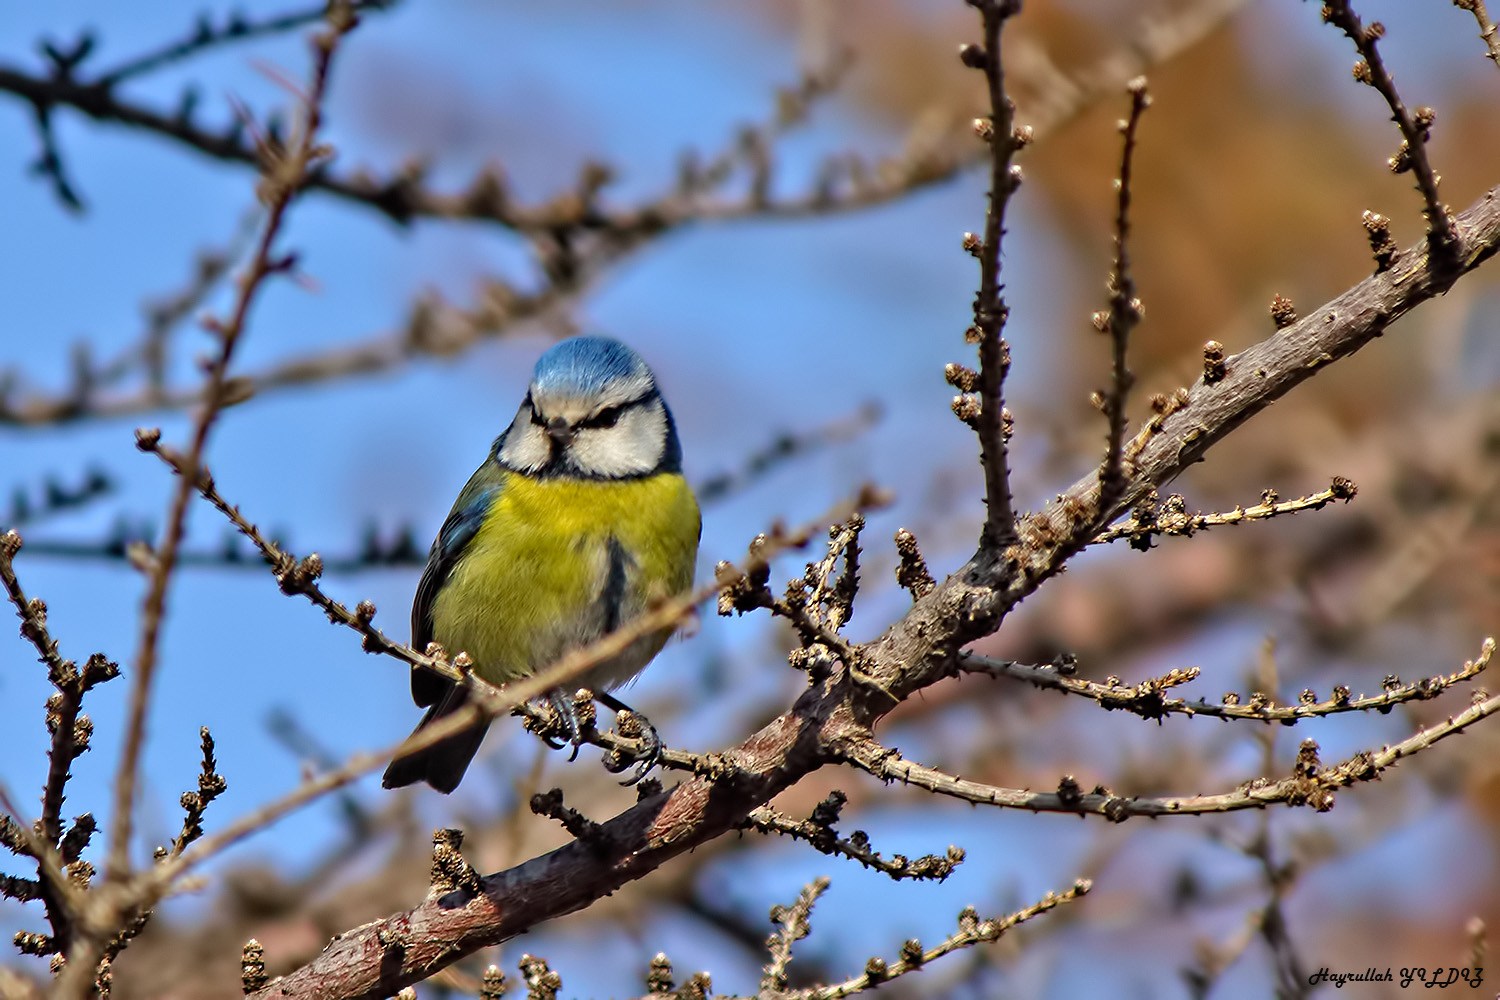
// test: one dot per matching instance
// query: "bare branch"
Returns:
(1309, 785)
(1487, 30)
(1173, 519)
(831, 720)
(1124, 310)
(435, 328)
(986, 411)
(236, 28)
(400, 550)
(1444, 240)
(972, 602)
(1147, 699)
(793, 927)
(971, 931)
(818, 831)
(284, 176)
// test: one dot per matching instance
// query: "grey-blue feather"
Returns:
(453, 538)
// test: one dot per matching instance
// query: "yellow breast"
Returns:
(558, 562)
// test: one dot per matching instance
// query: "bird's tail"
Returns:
(443, 764)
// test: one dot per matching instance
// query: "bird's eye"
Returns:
(607, 417)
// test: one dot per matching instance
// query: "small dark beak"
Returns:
(561, 431)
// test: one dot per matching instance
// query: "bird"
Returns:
(578, 521)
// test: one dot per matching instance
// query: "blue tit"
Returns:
(578, 521)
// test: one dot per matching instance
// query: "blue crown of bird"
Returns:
(578, 520)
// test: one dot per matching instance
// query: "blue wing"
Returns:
(453, 538)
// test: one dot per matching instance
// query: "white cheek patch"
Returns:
(527, 447)
(632, 447)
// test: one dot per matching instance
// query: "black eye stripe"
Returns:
(607, 417)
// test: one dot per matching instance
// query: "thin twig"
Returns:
(792, 927)
(1444, 242)
(1487, 30)
(971, 931)
(1292, 981)
(990, 310)
(400, 550)
(1173, 519)
(236, 28)
(818, 831)
(1147, 699)
(70, 738)
(281, 182)
(49, 162)
(1124, 310)
(56, 498)
(783, 448)
(446, 330)
(1315, 788)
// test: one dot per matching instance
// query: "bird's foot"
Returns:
(574, 717)
(632, 725)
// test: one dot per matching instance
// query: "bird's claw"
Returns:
(650, 754)
(628, 723)
(633, 725)
(567, 708)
